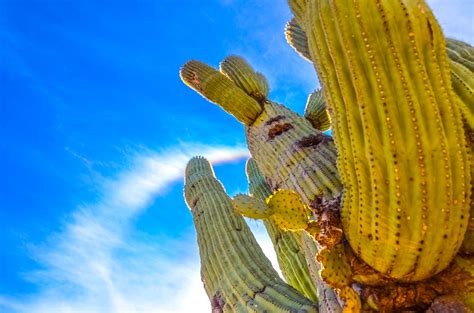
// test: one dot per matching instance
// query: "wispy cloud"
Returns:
(101, 263)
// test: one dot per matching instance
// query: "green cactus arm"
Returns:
(251, 207)
(298, 7)
(236, 274)
(461, 52)
(463, 85)
(219, 89)
(296, 38)
(287, 245)
(386, 125)
(316, 111)
(288, 210)
(243, 75)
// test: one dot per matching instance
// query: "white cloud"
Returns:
(100, 263)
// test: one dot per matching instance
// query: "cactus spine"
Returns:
(236, 274)
(384, 122)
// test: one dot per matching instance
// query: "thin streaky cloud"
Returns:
(100, 263)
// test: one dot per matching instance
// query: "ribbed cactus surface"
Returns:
(295, 251)
(287, 245)
(402, 153)
(398, 98)
(237, 275)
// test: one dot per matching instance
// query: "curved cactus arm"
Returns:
(251, 207)
(244, 76)
(287, 245)
(394, 113)
(221, 90)
(461, 52)
(236, 274)
(296, 38)
(463, 85)
(316, 111)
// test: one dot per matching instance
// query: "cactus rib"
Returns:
(236, 274)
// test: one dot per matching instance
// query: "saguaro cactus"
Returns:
(392, 116)
(237, 276)
(402, 115)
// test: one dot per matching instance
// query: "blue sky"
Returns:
(96, 128)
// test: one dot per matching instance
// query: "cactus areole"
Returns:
(378, 218)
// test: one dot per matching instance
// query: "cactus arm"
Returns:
(296, 38)
(243, 75)
(219, 89)
(383, 122)
(251, 207)
(463, 85)
(316, 111)
(461, 52)
(236, 274)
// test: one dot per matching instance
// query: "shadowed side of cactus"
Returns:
(295, 250)
(398, 130)
(237, 275)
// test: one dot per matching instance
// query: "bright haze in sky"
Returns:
(96, 131)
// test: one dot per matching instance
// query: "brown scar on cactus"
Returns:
(278, 129)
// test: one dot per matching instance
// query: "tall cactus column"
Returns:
(237, 275)
(398, 130)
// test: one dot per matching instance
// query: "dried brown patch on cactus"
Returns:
(275, 119)
(278, 129)
(313, 140)
(438, 294)
(217, 303)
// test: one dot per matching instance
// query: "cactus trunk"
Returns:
(237, 275)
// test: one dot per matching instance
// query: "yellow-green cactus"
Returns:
(402, 154)
(461, 52)
(243, 75)
(251, 207)
(316, 111)
(288, 210)
(237, 276)
(220, 89)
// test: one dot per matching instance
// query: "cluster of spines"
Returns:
(237, 275)
(383, 123)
